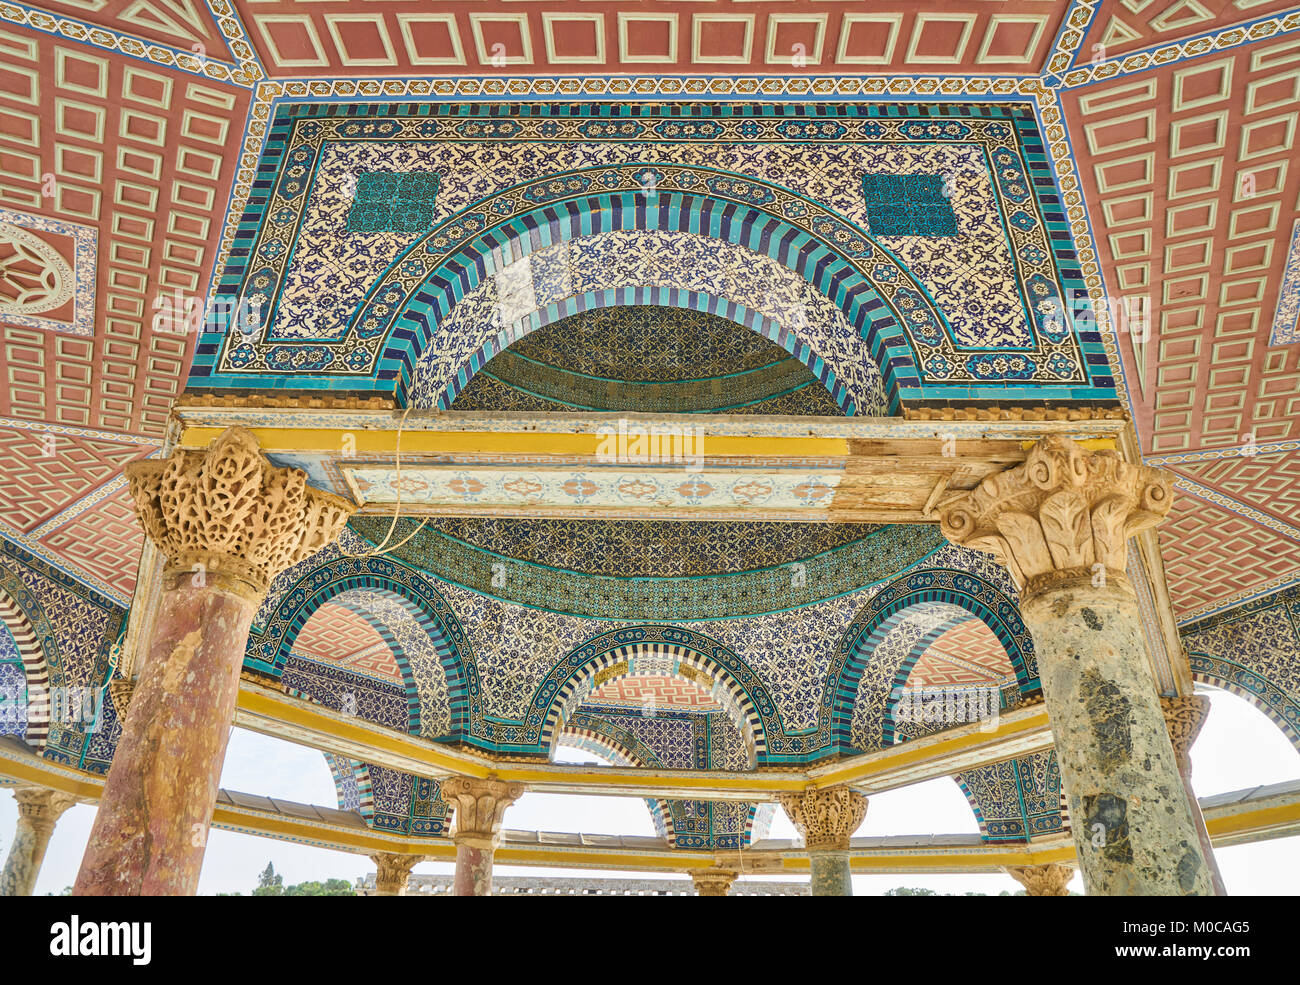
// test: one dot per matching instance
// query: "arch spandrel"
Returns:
(406, 610)
(717, 171)
(893, 630)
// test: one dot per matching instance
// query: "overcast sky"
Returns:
(1238, 748)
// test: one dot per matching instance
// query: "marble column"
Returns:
(713, 882)
(826, 819)
(228, 522)
(393, 872)
(1060, 523)
(1184, 717)
(1042, 880)
(38, 811)
(480, 805)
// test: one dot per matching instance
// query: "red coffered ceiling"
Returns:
(966, 654)
(320, 38)
(1190, 175)
(1121, 26)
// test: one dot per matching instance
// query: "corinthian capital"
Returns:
(480, 806)
(826, 818)
(227, 510)
(41, 806)
(393, 871)
(1043, 880)
(1060, 513)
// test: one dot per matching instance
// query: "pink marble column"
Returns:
(480, 805)
(228, 523)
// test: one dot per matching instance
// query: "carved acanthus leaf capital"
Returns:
(226, 509)
(480, 805)
(713, 882)
(1060, 513)
(1043, 880)
(393, 870)
(827, 817)
(1184, 717)
(41, 806)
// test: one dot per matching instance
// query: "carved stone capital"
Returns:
(713, 882)
(1063, 514)
(393, 871)
(41, 807)
(1043, 880)
(479, 804)
(1184, 717)
(120, 691)
(227, 513)
(827, 817)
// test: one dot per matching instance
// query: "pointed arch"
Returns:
(30, 650)
(661, 650)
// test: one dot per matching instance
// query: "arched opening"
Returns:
(24, 677)
(895, 630)
(648, 358)
(654, 668)
(346, 608)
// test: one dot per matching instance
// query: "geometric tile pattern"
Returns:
(1212, 555)
(338, 634)
(104, 540)
(968, 653)
(649, 692)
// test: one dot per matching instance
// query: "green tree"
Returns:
(269, 883)
(330, 887)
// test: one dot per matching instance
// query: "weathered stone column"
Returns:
(1184, 717)
(827, 818)
(713, 882)
(228, 523)
(38, 811)
(1042, 880)
(393, 871)
(1060, 523)
(479, 807)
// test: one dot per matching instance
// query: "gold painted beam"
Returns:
(271, 712)
(860, 470)
(1243, 816)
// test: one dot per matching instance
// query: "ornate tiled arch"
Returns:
(409, 321)
(1281, 708)
(879, 616)
(669, 649)
(31, 649)
(606, 739)
(269, 647)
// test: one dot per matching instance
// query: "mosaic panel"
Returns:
(667, 570)
(775, 167)
(1254, 650)
(646, 358)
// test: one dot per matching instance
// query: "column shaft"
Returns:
(831, 875)
(1132, 824)
(228, 523)
(473, 870)
(38, 811)
(151, 829)
(1061, 522)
